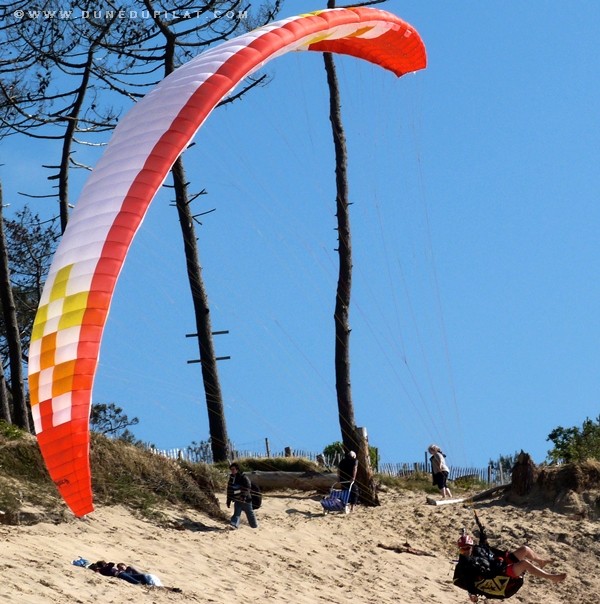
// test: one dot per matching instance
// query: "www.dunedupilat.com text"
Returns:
(129, 14)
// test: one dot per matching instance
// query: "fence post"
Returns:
(267, 447)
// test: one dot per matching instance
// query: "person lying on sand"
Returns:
(488, 571)
(128, 573)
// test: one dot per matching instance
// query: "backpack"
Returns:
(476, 576)
(256, 495)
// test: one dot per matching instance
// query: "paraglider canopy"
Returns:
(76, 298)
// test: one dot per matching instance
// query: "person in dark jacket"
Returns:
(238, 492)
(496, 574)
(347, 469)
(127, 573)
(122, 571)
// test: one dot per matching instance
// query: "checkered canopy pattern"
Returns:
(76, 299)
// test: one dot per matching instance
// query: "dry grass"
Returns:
(147, 484)
(122, 474)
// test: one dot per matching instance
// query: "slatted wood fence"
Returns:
(489, 475)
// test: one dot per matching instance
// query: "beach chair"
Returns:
(337, 500)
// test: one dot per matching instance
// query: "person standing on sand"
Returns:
(347, 469)
(238, 491)
(440, 470)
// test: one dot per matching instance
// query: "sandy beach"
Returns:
(297, 555)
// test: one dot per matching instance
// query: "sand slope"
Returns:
(297, 555)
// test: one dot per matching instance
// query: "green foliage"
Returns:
(337, 448)
(201, 451)
(506, 462)
(10, 432)
(575, 444)
(110, 420)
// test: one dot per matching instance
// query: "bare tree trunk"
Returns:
(524, 474)
(69, 136)
(13, 337)
(351, 436)
(364, 474)
(4, 400)
(212, 388)
(344, 284)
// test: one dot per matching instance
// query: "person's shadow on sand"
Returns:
(186, 524)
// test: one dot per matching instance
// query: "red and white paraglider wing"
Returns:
(76, 299)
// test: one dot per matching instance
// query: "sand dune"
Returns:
(297, 555)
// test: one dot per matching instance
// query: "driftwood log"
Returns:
(302, 481)
(470, 498)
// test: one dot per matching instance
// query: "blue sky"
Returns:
(475, 218)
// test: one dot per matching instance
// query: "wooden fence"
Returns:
(489, 475)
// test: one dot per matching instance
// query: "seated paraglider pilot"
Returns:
(487, 571)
